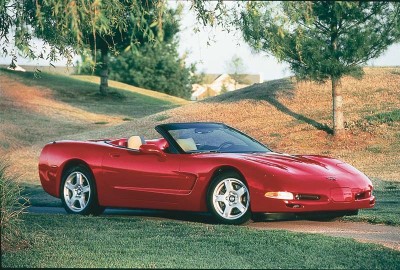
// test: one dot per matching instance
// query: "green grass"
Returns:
(161, 117)
(387, 207)
(275, 135)
(12, 208)
(396, 72)
(386, 210)
(374, 149)
(134, 242)
(386, 117)
(38, 197)
(85, 95)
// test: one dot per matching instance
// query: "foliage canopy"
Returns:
(322, 39)
(67, 27)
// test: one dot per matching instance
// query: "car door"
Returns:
(131, 178)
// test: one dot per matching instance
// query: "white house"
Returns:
(215, 84)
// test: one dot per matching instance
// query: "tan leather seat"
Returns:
(187, 144)
(134, 142)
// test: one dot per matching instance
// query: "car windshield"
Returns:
(211, 137)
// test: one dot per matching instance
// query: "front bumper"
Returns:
(295, 206)
(337, 200)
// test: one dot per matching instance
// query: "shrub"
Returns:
(12, 207)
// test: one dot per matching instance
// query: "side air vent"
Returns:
(307, 197)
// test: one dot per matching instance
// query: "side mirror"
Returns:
(152, 149)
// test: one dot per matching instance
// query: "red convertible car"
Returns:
(199, 167)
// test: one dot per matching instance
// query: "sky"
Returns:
(215, 57)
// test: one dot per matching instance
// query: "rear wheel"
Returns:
(228, 199)
(78, 192)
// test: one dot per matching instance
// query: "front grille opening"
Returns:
(362, 195)
(308, 197)
(294, 205)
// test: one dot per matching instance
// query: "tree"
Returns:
(224, 89)
(236, 68)
(133, 37)
(155, 66)
(70, 27)
(323, 40)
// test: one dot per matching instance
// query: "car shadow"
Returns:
(197, 217)
(275, 217)
(269, 91)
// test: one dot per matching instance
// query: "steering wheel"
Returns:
(225, 145)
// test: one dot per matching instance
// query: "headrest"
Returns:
(134, 142)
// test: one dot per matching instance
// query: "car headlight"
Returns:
(283, 195)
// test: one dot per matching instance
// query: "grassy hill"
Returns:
(289, 116)
(133, 89)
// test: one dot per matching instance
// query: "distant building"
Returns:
(16, 68)
(216, 84)
(63, 70)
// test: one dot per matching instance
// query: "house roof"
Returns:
(244, 78)
(209, 78)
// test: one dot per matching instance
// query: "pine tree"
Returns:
(323, 40)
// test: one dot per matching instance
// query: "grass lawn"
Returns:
(386, 210)
(387, 207)
(132, 242)
(38, 197)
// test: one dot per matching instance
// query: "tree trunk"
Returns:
(338, 120)
(104, 71)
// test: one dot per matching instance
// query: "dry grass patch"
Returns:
(27, 98)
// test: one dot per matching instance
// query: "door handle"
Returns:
(114, 155)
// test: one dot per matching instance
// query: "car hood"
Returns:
(300, 165)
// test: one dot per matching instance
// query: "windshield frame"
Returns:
(164, 130)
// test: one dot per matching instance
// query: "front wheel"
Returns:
(78, 192)
(228, 199)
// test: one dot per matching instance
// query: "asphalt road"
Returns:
(388, 236)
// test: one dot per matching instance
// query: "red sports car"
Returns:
(199, 167)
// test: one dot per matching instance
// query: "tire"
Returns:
(228, 199)
(78, 192)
